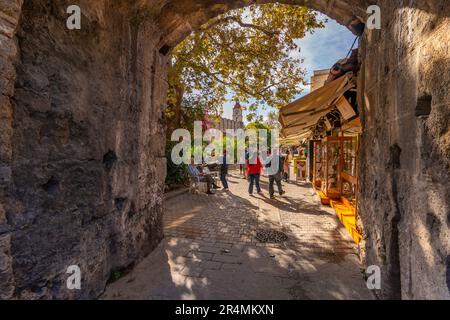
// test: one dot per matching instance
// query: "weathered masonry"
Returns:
(82, 138)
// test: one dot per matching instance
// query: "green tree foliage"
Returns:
(176, 174)
(246, 52)
(272, 120)
(261, 126)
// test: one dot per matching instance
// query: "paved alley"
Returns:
(211, 250)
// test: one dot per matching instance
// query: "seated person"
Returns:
(195, 173)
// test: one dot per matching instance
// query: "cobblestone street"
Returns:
(210, 250)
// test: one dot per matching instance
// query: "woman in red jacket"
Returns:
(254, 174)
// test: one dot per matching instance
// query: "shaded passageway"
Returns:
(211, 251)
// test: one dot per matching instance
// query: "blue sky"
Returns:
(319, 50)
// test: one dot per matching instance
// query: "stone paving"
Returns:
(210, 250)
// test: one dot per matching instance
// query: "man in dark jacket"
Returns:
(276, 177)
(224, 171)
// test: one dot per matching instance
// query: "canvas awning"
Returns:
(298, 117)
(294, 139)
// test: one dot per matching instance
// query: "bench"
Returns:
(197, 186)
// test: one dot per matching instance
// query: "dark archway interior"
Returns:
(82, 162)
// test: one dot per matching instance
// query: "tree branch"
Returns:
(243, 89)
(218, 21)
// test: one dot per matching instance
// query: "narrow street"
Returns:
(211, 250)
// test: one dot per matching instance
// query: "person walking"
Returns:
(275, 177)
(286, 163)
(244, 166)
(224, 171)
(254, 174)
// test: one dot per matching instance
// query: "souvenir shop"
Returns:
(326, 125)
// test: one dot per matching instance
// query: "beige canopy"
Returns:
(298, 117)
(294, 139)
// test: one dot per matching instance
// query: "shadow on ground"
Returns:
(210, 251)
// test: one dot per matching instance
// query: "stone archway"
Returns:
(82, 139)
(177, 19)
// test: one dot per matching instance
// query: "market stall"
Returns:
(329, 117)
(331, 158)
(317, 164)
(345, 205)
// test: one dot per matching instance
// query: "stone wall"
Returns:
(82, 154)
(87, 162)
(226, 124)
(404, 194)
(9, 17)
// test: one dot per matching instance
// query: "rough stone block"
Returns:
(6, 272)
